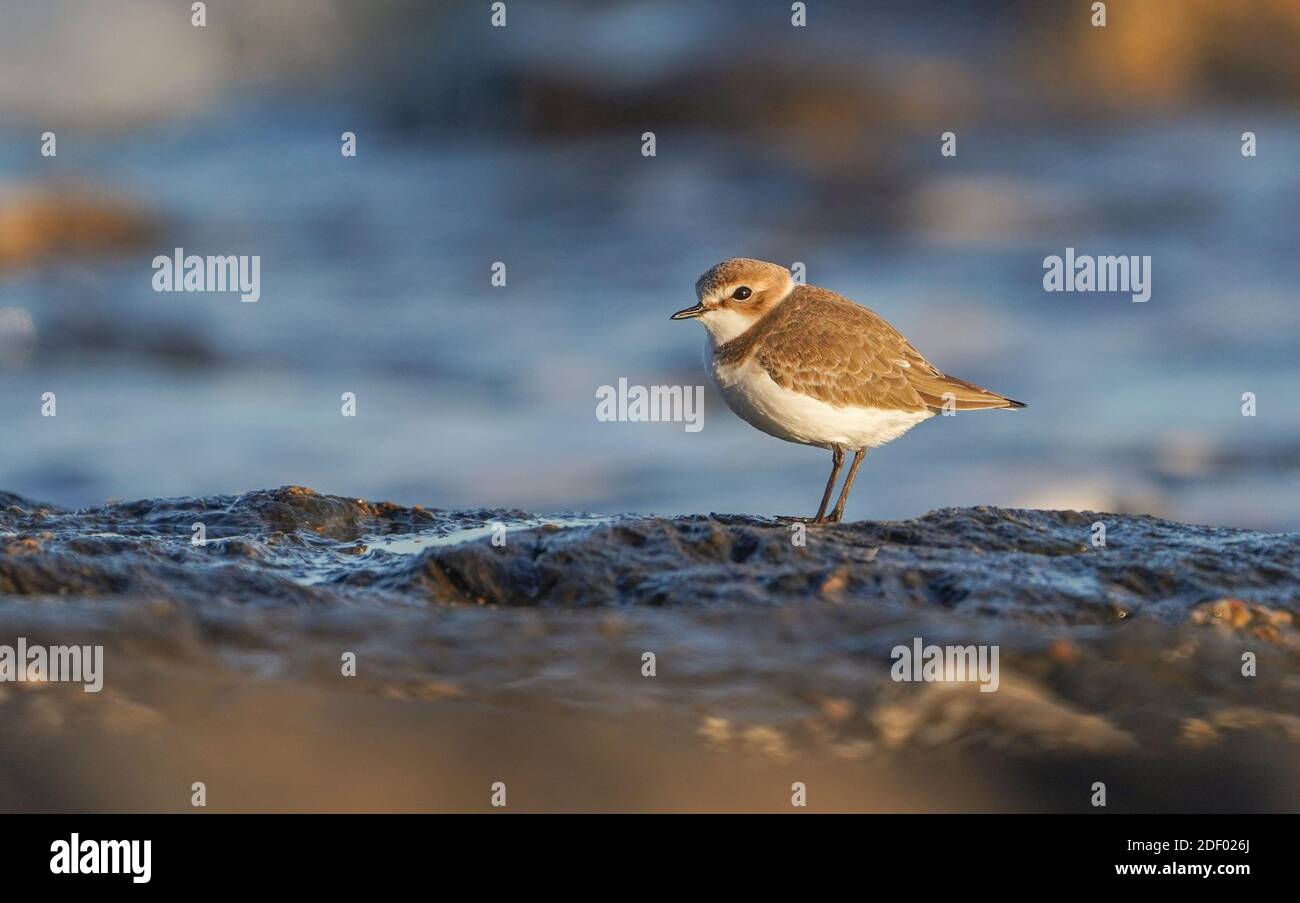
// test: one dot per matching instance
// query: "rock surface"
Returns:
(1027, 565)
(772, 644)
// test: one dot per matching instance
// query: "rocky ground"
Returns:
(497, 645)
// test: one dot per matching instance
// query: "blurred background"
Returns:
(522, 144)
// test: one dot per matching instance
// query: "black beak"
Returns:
(688, 313)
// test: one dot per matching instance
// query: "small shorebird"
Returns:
(807, 365)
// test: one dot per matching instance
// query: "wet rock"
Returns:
(1026, 565)
(1267, 623)
(1035, 565)
(773, 640)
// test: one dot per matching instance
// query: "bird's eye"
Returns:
(741, 293)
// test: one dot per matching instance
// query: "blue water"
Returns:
(376, 280)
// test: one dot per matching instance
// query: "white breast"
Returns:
(794, 417)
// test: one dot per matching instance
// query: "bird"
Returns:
(810, 366)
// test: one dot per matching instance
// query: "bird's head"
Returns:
(735, 294)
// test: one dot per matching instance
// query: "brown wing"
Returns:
(822, 344)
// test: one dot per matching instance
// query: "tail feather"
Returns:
(941, 390)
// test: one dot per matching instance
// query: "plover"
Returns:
(806, 365)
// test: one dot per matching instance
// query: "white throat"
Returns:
(724, 325)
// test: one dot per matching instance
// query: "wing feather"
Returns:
(824, 345)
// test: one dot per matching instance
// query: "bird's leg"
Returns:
(837, 456)
(838, 513)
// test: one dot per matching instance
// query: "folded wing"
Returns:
(824, 345)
